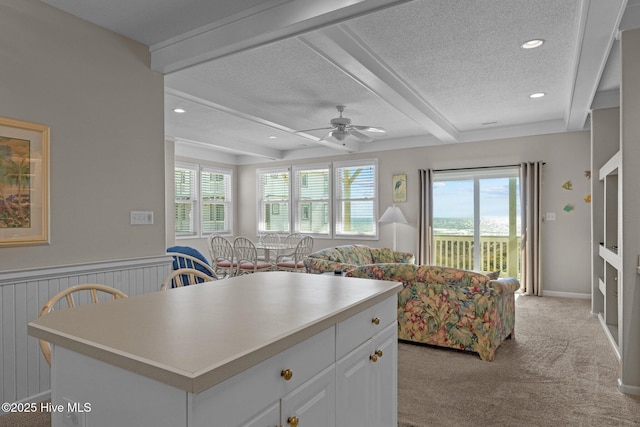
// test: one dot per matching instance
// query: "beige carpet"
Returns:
(558, 371)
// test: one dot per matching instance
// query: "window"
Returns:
(185, 195)
(273, 200)
(216, 200)
(302, 200)
(203, 200)
(476, 219)
(312, 199)
(356, 210)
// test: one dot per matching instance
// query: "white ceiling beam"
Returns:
(515, 131)
(258, 26)
(346, 51)
(191, 136)
(600, 20)
(198, 92)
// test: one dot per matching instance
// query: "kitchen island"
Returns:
(274, 348)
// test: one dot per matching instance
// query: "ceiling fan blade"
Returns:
(375, 129)
(362, 136)
(327, 136)
(311, 130)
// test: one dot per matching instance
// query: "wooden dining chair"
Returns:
(295, 263)
(222, 259)
(185, 277)
(91, 293)
(246, 256)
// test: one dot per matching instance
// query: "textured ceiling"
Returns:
(428, 71)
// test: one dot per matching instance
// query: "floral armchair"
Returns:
(449, 307)
(348, 257)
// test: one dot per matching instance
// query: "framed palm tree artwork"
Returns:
(24, 183)
(399, 183)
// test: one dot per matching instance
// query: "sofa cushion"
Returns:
(396, 272)
(450, 276)
(383, 255)
(354, 254)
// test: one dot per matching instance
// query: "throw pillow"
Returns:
(493, 275)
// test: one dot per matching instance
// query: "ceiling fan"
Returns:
(341, 128)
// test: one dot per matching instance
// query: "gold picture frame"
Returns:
(399, 188)
(24, 183)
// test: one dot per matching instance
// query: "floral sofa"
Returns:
(449, 307)
(348, 257)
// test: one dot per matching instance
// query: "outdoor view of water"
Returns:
(489, 226)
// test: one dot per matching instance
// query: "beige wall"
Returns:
(566, 241)
(105, 109)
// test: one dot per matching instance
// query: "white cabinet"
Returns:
(283, 373)
(313, 404)
(291, 383)
(310, 405)
(366, 382)
(366, 377)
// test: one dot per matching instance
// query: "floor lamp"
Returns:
(393, 214)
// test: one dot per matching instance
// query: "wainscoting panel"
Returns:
(24, 374)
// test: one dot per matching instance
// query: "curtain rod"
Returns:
(481, 167)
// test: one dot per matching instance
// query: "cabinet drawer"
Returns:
(241, 397)
(359, 328)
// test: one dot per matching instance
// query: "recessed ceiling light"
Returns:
(532, 44)
(273, 137)
(537, 95)
(178, 110)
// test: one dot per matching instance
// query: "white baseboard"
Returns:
(565, 295)
(628, 389)
(40, 397)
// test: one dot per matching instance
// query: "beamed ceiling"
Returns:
(251, 74)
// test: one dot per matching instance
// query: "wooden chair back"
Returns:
(185, 277)
(95, 291)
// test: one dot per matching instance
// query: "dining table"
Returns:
(274, 249)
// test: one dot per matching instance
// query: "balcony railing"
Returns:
(496, 253)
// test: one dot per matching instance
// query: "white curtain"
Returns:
(425, 216)
(530, 250)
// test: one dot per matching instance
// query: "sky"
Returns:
(454, 199)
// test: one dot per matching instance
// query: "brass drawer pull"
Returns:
(375, 321)
(293, 421)
(287, 374)
(374, 357)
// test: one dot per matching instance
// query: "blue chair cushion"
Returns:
(188, 250)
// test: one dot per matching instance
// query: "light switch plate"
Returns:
(141, 217)
(550, 216)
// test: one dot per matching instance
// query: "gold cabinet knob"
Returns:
(287, 374)
(293, 421)
(373, 358)
(379, 353)
(375, 321)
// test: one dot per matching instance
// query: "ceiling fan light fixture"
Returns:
(340, 135)
(532, 44)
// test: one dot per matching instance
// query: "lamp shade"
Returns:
(393, 214)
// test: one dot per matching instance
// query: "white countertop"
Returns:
(197, 336)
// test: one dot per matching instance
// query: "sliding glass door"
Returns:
(476, 220)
